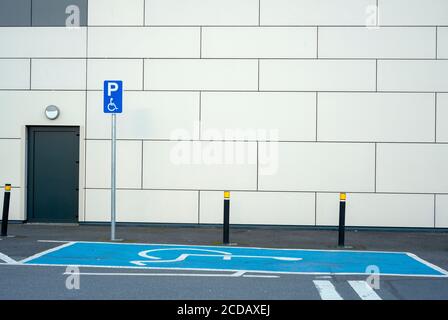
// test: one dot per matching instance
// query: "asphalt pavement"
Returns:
(21, 281)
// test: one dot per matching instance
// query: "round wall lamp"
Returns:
(52, 112)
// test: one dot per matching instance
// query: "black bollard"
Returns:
(225, 230)
(5, 215)
(341, 240)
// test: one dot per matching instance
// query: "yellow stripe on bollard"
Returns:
(226, 194)
(8, 187)
(342, 196)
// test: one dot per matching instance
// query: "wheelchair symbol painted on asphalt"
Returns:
(155, 256)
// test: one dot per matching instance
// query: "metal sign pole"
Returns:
(113, 176)
(113, 104)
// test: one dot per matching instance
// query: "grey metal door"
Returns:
(53, 174)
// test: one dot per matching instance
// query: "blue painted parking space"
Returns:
(155, 256)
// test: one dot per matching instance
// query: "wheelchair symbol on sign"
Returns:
(112, 106)
(154, 256)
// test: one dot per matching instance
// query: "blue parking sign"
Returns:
(113, 96)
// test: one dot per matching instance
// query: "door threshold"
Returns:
(60, 224)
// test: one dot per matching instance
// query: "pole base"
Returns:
(116, 240)
(344, 247)
(8, 236)
(229, 244)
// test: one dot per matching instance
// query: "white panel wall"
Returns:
(148, 115)
(98, 205)
(129, 161)
(297, 208)
(58, 74)
(142, 42)
(156, 206)
(10, 169)
(317, 75)
(442, 43)
(373, 210)
(413, 12)
(259, 115)
(43, 42)
(259, 42)
(358, 108)
(130, 71)
(199, 165)
(442, 117)
(362, 42)
(14, 74)
(305, 166)
(419, 168)
(198, 74)
(376, 117)
(442, 211)
(314, 12)
(412, 75)
(116, 12)
(23, 108)
(197, 12)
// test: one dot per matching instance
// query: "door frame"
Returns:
(28, 195)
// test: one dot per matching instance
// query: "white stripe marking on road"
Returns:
(236, 274)
(364, 291)
(429, 264)
(326, 290)
(54, 241)
(7, 259)
(40, 254)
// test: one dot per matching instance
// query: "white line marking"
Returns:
(364, 291)
(444, 275)
(213, 246)
(55, 241)
(259, 276)
(207, 269)
(7, 259)
(232, 275)
(326, 290)
(429, 264)
(217, 254)
(40, 254)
